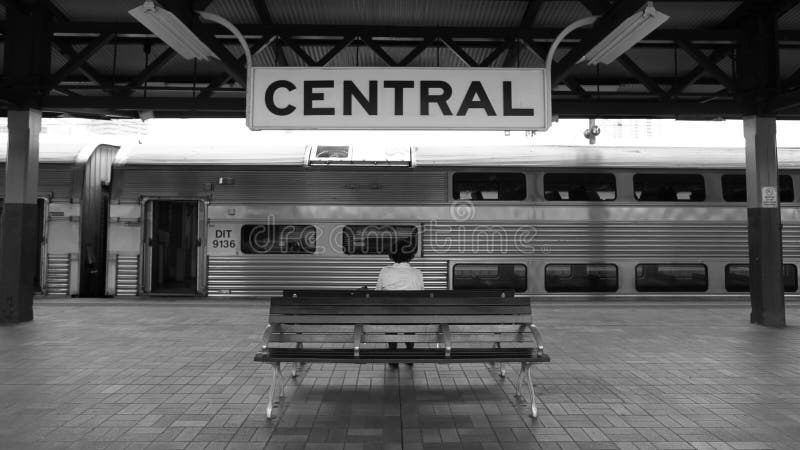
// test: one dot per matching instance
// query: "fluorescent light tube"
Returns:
(170, 29)
(626, 35)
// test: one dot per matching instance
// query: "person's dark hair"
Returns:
(402, 252)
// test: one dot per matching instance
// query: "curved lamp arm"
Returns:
(585, 22)
(211, 17)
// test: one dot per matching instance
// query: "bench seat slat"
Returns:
(457, 355)
(400, 319)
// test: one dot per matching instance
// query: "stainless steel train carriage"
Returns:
(566, 222)
(71, 224)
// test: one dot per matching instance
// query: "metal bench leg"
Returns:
(295, 364)
(276, 371)
(534, 411)
(519, 380)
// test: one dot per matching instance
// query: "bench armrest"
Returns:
(267, 334)
(537, 336)
(358, 337)
(448, 341)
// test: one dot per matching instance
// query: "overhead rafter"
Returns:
(266, 19)
(528, 18)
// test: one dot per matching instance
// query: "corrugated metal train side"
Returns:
(535, 232)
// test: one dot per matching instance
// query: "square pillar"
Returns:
(764, 223)
(19, 243)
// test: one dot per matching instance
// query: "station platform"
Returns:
(179, 374)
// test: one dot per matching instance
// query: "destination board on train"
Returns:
(398, 98)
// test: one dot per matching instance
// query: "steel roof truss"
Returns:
(465, 58)
(387, 58)
(708, 65)
(416, 51)
(299, 51)
(80, 58)
(162, 59)
(528, 18)
(492, 57)
(341, 45)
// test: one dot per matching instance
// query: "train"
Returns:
(250, 220)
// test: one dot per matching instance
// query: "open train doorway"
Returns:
(172, 245)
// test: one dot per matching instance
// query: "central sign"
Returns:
(397, 98)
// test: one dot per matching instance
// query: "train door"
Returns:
(172, 243)
(41, 247)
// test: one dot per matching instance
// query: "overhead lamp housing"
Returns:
(626, 35)
(170, 29)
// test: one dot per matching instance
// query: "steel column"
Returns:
(19, 243)
(764, 223)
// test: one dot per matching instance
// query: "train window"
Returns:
(671, 278)
(580, 278)
(580, 186)
(737, 278)
(668, 187)
(270, 239)
(488, 186)
(378, 239)
(332, 151)
(734, 188)
(490, 276)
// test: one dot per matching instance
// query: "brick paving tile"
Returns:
(113, 374)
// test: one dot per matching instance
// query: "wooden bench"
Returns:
(356, 326)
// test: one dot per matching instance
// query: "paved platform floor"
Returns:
(180, 375)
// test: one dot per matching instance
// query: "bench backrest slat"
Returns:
(472, 319)
(323, 319)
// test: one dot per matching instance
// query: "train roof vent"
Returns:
(360, 156)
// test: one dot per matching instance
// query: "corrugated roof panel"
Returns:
(485, 13)
(237, 11)
(560, 14)
(689, 15)
(97, 11)
(790, 20)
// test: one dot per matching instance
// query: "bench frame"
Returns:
(356, 355)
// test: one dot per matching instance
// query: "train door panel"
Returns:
(147, 250)
(41, 209)
(171, 247)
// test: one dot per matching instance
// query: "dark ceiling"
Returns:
(711, 59)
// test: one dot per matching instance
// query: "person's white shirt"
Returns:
(399, 277)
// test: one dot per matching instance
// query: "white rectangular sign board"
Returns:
(397, 98)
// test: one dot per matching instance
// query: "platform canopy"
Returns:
(711, 59)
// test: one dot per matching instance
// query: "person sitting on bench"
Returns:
(400, 276)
